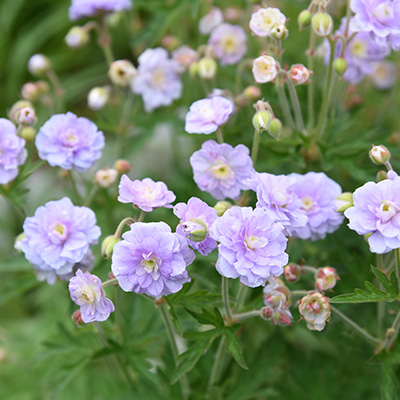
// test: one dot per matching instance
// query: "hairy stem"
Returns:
(215, 372)
(296, 107)
(225, 299)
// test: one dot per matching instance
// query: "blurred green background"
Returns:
(44, 356)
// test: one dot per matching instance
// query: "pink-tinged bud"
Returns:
(16, 109)
(77, 318)
(379, 154)
(39, 65)
(252, 93)
(292, 272)
(207, 68)
(276, 295)
(170, 42)
(121, 72)
(299, 74)
(316, 310)
(26, 116)
(122, 166)
(267, 313)
(326, 278)
(282, 318)
(105, 177)
(232, 14)
(265, 69)
(185, 57)
(322, 24)
(98, 97)
(34, 91)
(77, 37)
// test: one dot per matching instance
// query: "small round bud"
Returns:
(299, 74)
(326, 278)
(121, 72)
(170, 42)
(18, 240)
(340, 65)
(379, 154)
(77, 318)
(267, 313)
(316, 310)
(304, 18)
(343, 202)
(98, 97)
(39, 65)
(261, 120)
(26, 116)
(292, 272)
(195, 230)
(29, 91)
(381, 175)
(122, 166)
(322, 24)
(252, 92)
(77, 37)
(275, 128)
(16, 110)
(105, 177)
(279, 31)
(221, 207)
(207, 68)
(108, 245)
(232, 14)
(28, 133)
(389, 333)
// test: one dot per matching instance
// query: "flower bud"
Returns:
(275, 128)
(121, 72)
(207, 68)
(340, 65)
(170, 42)
(322, 24)
(16, 110)
(343, 202)
(77, 318)
(326, 278)
(315, 309)
(267, 313)
(261, 120)
(18, 240)
(304, 19)
(105, 177)
(185, 57)
(26, 116)
(108, 245)
(77, 37)
(265, 69)
(195, 230)
(279, 31)
(252, 92)
(292, 272)
(122, 166)
(193, 69)
(39, 65)
(299, 74)
(221, 207)
(379, 154)
(28, 133)
(232, 14)
(381, 175)
(98, 97)
(282, 318)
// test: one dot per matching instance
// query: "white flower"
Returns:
(265, 69)
(263, 20)
(316, 310)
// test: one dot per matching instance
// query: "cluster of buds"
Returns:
(299, 74)
(277, 301)
(23, 113)
(326, 278)
(98, 97)
(264, 120)
(321, 22)
(122, 72)
(315, 310)
(36, 91)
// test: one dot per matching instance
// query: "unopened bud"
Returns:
(279, 31)
(381, 175)
(340, 65)
(282, 318)
(343, 202)
(379, 154)
(15, 112)
(26, 116)
(105, 177)
(221, 207)
(275, 128)
(252, 92)
(267, 313)
(122, 166)
(98, 97)
(195, 230)
(77, 318)
(207, 68)
(322, 24)
(108, 245)
(18, 240)
(299, 74)
(261, 120)
(121, 72)
(304, 18)
(77, 37)
(292, 272)
(170, 42)
(39, 65)
(326, 278)
(28, 133)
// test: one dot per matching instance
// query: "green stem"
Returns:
(121, 225)
(225, 299)
(110, 282)
(241, 297)
(105, 41)
(299, 292)
(92, 196)
(215, 372)
(296, 107)
(220, 136)
(256, 145)
(247, 315)
(397, 258)
(380, 304)
(323, 114)
(363, 333)
(74, 187)
(141, 216)
(310, 87)
(58, 90)
(169, 326)
(395, 329)
(306, 268)
(284, 105)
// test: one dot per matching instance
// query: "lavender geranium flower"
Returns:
(90, 8)
(12, 151)
(275, 193)
(376, 212)
(317, 193)
(86, 290)
(229, 43)
(69, 142)
(221, 169)
(58, 237)
(196, 218)
(206, 115)
(151, 260)
(146, 194)
(158, 79)
(252, 245)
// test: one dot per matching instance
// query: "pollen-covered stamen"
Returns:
(158, 77)
(87, 295)
(314, 307)
(151, 263)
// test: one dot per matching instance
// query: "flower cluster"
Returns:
(277, 301)
(90, 8)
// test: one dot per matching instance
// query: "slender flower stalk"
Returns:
(105, 41)
(397, 258)
(284, 105)
(74, 187)
(247, 315)
(220, 136)
(215, 372)
(225, 299)
(126, 221)
(310, 87)
(141, 216)
(256, 145)
(110, 282)
(296, 107)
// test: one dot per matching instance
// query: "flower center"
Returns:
(207, 112)
(383, 13)
(58, 233)
(221, 170)
(387, 210)
(158, 77)
(148, 193)
(314, 307)
(229, 44)
(87, 295)
(150, 263)
(70, 138)
(359, 48)
(255, 242)
(307, 203)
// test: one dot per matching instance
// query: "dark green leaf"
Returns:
(233, 346)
